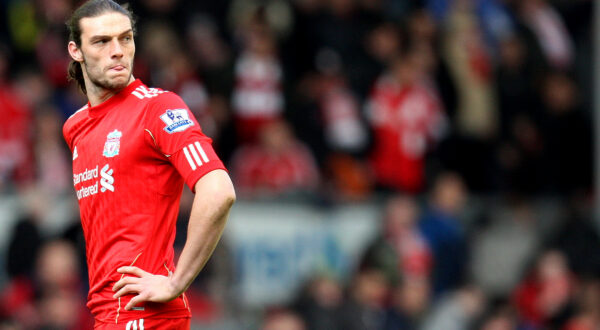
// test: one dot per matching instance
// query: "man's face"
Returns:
(107, 50)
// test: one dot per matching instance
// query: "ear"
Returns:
(75, 52)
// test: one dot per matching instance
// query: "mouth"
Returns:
(117, 68)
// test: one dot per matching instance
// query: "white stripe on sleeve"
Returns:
(202, 153)
(189, 159)
(195, 155)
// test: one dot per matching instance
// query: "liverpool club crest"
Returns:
(113, 142)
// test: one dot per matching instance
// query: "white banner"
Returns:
(278, 246)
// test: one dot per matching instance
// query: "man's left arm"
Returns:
(214, 197)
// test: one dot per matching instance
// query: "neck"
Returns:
(97, 94)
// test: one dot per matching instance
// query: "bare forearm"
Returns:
(207, 221)
(214, 197)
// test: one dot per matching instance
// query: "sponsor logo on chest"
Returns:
(106, 181)
(97, 179)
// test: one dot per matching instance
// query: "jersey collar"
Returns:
(105, 106)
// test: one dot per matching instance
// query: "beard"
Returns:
(102, 81)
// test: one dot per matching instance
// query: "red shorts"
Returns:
(146, 324)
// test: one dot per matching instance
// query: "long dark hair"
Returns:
(91, 8)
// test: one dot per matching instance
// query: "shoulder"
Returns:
(384, 86)
(168, 112)
(78, 114)
(77, 117)
(302, 150)
(150, 97)
(164, 101)
(386, 80)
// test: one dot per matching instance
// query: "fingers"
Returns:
(134, 301)
(131, 270)
(124, 281)
(130, 288)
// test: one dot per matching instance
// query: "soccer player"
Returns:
(133, 149)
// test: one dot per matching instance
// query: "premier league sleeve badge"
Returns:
(112, 144)
(177, 120)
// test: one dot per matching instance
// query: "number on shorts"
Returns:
(135, 325)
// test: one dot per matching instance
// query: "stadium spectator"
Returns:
(587, 315)
(343, 126)
(383, 44)
(544, 297)
(470, 64)
(258, 96)
(400, 252)
(441, 226)
(410, 302)
(283, 320)
(320, 304)
(475, 120)
(15, 131)
(365, 307)
(567, 136)
(345, 135)
(407, 118)
(278, 164)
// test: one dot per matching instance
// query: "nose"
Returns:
(116, 50)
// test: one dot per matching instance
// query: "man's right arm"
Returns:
(214, 197)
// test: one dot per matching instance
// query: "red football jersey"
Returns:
(131, 157)
(405, 120)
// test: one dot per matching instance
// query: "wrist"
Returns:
(176, 286)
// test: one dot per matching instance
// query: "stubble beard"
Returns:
(104, 82)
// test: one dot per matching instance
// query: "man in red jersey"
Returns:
(133, 149)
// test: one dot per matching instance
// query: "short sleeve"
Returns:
(67, 135)
(66, 130)
(176, 134)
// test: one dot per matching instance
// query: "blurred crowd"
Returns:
(428, 269)
(421, 105)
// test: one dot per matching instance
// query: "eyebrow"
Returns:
(100, 37)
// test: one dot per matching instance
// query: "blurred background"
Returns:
(399, 164)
